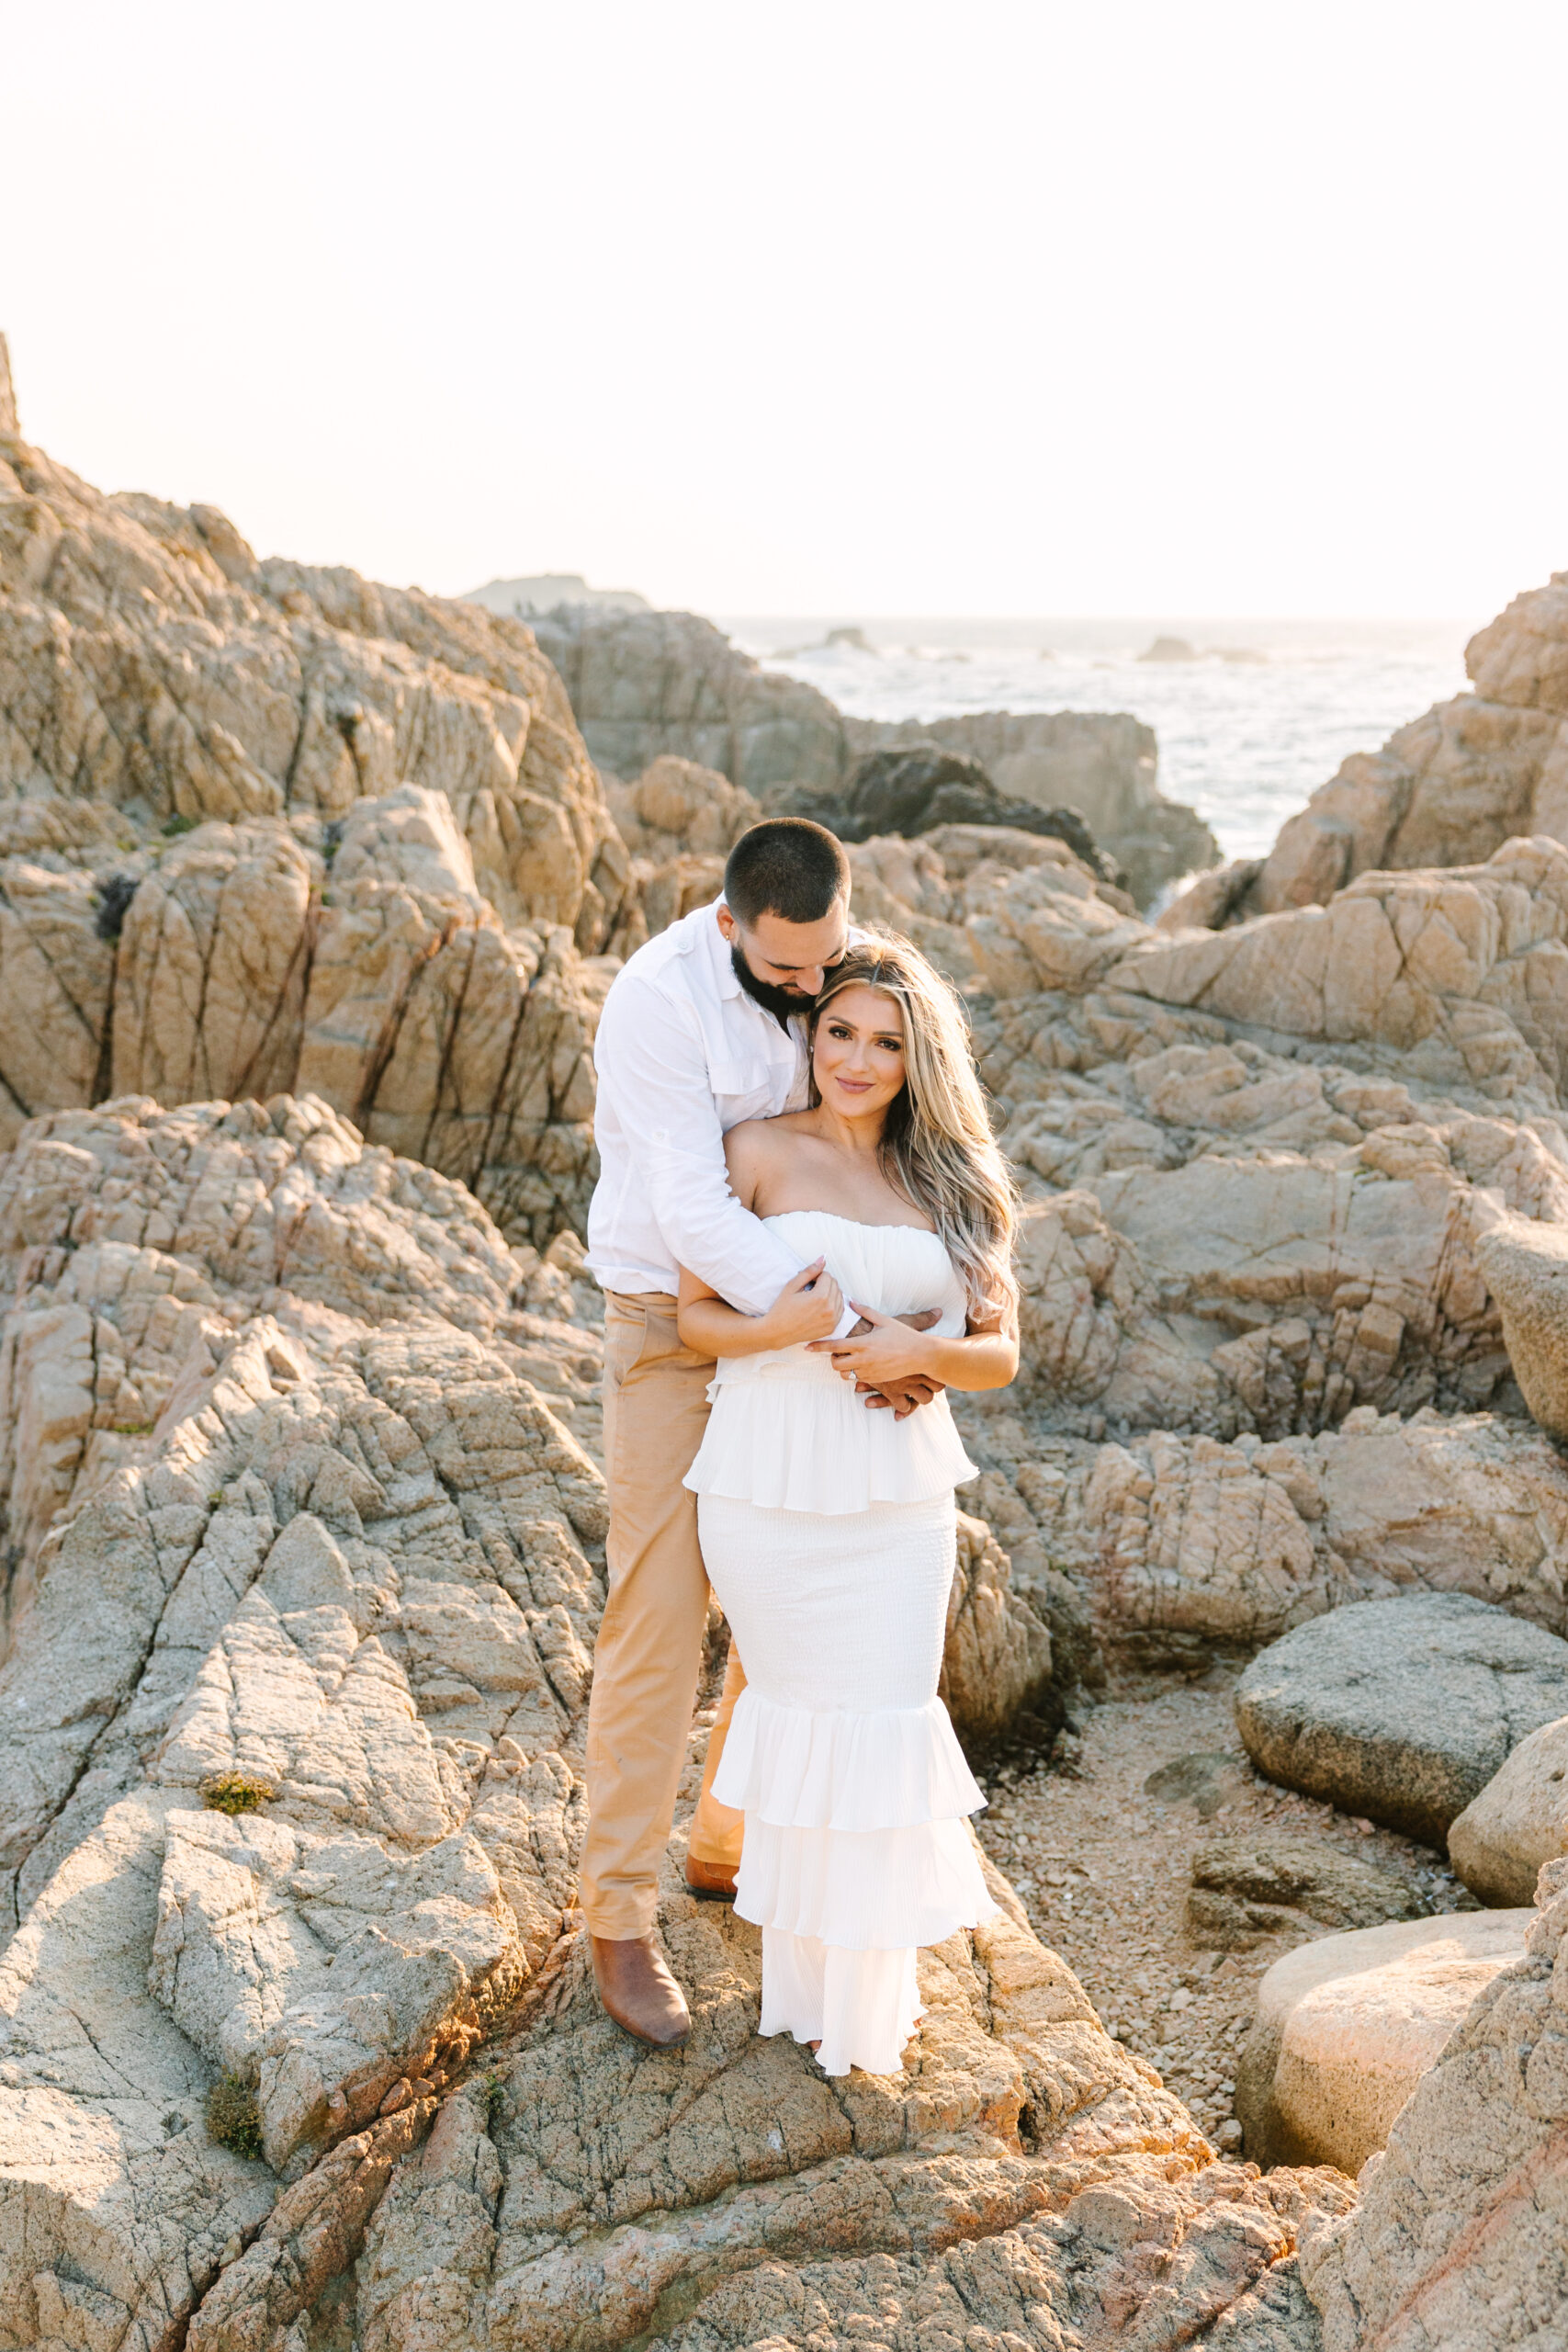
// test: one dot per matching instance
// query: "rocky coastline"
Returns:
(310, 893)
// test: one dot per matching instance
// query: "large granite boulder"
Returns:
(1519, 1823)
(1526, 1266)
(997, 1663)
(1458, 2239)
(643, 685)
(676, 809)
(1347, 2027)
(1401, 1711)
(1184, 1548)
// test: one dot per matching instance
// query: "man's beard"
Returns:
(782, 1004)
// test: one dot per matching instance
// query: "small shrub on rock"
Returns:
(233, 2118)
(236, 1792)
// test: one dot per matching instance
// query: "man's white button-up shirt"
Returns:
(683, 1055)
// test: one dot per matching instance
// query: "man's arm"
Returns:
(653, 1069)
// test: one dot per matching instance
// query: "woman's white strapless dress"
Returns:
(827, 1534)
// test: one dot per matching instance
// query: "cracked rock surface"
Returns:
(347, 1560)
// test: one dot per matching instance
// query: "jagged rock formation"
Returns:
(1184, 1546)
(647, 684)
(679, 821)
(1449, 789)
(282, 1505)
(1458, 2240)
(264, 827)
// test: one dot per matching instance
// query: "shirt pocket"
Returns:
(742, 1087)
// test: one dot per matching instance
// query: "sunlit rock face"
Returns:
(264, 827)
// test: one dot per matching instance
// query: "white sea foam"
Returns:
(1244, 740)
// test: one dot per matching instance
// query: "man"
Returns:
(704, 1027)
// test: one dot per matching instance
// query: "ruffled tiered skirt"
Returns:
(841, 1757)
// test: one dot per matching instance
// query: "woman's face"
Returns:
(857, 1055)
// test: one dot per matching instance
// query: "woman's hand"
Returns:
(882, 1351)
(809, 1307)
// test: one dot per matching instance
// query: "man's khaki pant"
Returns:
(648, 1653)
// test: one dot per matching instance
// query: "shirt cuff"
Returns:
(846, 1322)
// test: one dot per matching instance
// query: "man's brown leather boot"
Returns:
(709, 1882)
(638, 1990)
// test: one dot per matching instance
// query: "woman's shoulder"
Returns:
(756, 1145)
(765, 1138)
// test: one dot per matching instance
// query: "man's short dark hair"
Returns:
(786, 866)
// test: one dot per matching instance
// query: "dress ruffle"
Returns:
(809, 1444)
(896, 1768)
(861, 2006)
(881, 1890)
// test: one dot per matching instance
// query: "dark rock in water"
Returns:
(1401, 1710)
(1205, 1781)
(1169, 649)
(916, 788)
(1247, 1889)
(901, 791)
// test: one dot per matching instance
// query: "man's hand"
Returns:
(901, 1398)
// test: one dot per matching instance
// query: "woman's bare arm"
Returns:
(889, 1353)
(809, 1307)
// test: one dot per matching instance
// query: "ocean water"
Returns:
(1246, 741)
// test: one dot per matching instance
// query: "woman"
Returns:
(827, 1529)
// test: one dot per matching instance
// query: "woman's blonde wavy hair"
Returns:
(937, 1146)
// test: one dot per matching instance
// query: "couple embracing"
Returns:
(803, 1229)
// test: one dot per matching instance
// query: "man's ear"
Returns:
(728, 925)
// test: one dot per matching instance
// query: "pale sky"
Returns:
(1118, 306)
